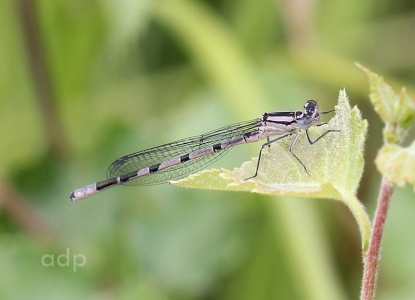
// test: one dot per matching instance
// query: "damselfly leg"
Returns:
(267, 144)
(294, 141)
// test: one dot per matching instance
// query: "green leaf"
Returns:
(335, 164)
(396, 111)
(397, 164)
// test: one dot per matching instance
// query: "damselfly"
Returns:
(176, 160)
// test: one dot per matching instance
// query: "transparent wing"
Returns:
(146, 158)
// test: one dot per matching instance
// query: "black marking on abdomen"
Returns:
(126, 177)
(105, 184)
(154, 168)
(249, 134)
(184, 158)
(217, 147)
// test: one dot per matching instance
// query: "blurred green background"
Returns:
(83, 82)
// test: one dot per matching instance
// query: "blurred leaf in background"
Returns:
(85, 82)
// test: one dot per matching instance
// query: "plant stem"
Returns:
(44, 88)
(372, 256)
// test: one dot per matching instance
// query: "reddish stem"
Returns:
(372, 256)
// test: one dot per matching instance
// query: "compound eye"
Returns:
(310, 105)
(310, 108)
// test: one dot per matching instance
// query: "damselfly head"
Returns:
(309, 117)
(310, 109)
